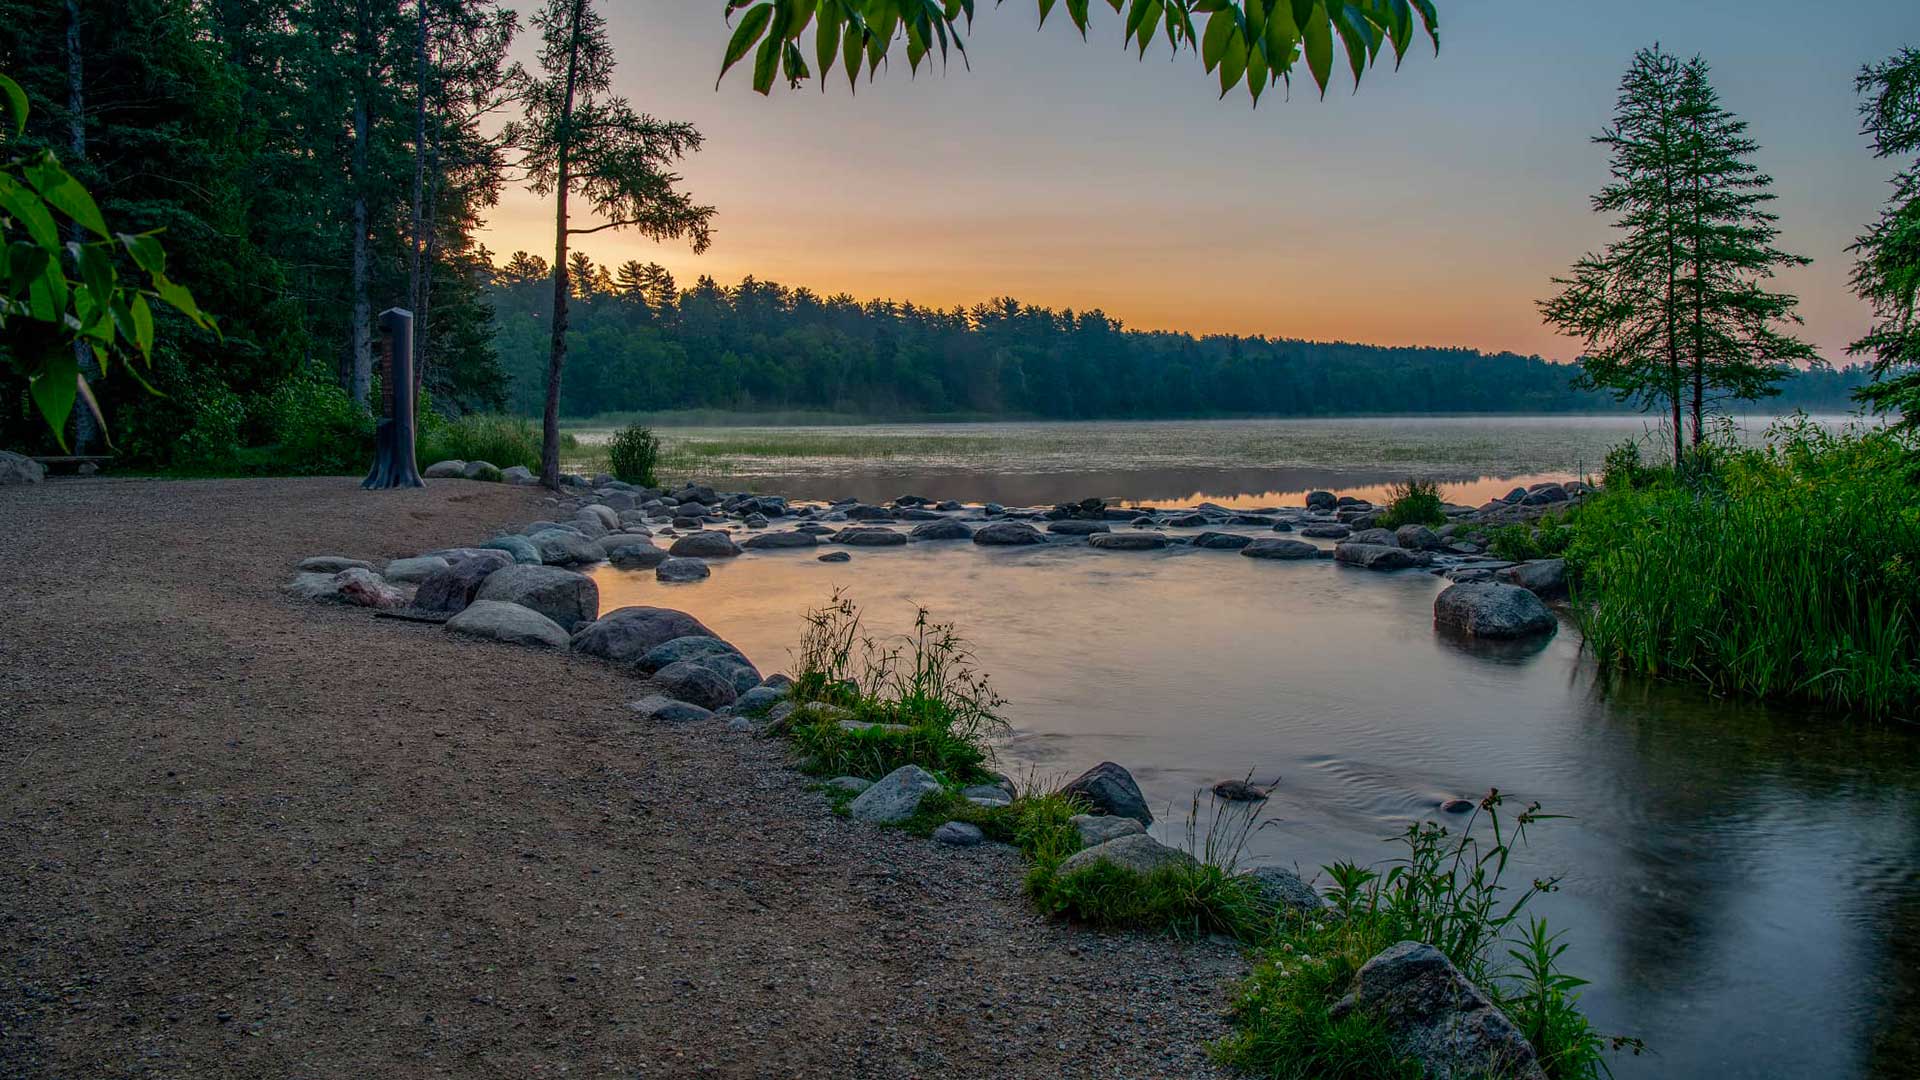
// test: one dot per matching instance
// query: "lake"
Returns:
(1741, 883)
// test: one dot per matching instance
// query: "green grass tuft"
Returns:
(1414, 502)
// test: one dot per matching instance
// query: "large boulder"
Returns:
(637, 553)
(522, 549)
(1544, 495)
(481, 470)
(1322, 500)
(519, 474)
(1379, 556)
(454, 587)
(894, 797)
(869, 536)
(607, 516)
(943, 529)
(1327, 530)
(629, 633)
(1139, 852)
(695, 683)
(704, 545)
(680, 571)
(452, 469)
(707, 651)
(1489, 609)
(1129, 541)
(759, 700)
(1545, 578)
(669, 710)
(1109, 789)
(1008, 534)
(776, 541)
(1418, 538)
(565, 547)
(355, 586)
(1383, 537)
(498, 620)
(1280, 548)
(331, 564)
(1219, 541)
(1097, 829)
(1434, 1016)
(20, 469)
(567, 598)
(1078, 528)
(414, 571)
(1283, 890)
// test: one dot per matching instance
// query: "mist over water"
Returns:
(1738, 881)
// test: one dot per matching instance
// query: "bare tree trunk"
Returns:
(557, 355)
(360, 337)
(85, 429)
(416, 281)
(432, 252)
(1699, 326)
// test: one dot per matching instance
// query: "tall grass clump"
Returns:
(1445, 890)
(633, 455)
(495, 438)
(1413, 502)
(865, 706)
(1791, 570)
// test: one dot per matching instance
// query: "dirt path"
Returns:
(245, 837)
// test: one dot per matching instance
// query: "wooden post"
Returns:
(394, 465)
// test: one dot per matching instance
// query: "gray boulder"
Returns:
(943, 529)
(680, 571)
(1284, 890)
(708, 652)
(1544, 495)
(1279, 548)
(1078, 528)
(561, 595)
(1379, 556)
(1488, 609)
(607, 516)
(759, 700)
(836, 556)
(987, 795)
(704, 545)
(1376, 536)
(869, 536)
(1327, 530)
(1008, 534)
(895, 797)
(1545, 578)
(565, 547)
(414, 571)
(453, 588)
(669, 710)
(498, 620)
(1139, 852)
(1097, 829)
(1129, 541)
(481, 470)
(696, 683)
(331, 564)
(1321, 500)
(1434, 1016)
(452, 469)
(519, 474)
(19, 469)
(521, 548)
(628, 634)
(636, 555)
(854, 784)
(1109, 789)
(1219, 541)
(959, 834)
(775, 541)
(1418, 538)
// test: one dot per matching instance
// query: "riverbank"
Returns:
(250, 837)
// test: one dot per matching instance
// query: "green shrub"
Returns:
(1547, 538)
(1624, 469)
(1414, 502)
(213, 435)
(1791, 570)
(633, 454)
(316, 430)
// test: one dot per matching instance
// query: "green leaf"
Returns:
(65, 194)
(53, 390)
(1318, 35)
(92, 403)
(744, 35)
(31, 212)
(765, 63)
(182, 300)
(1213, 42)
(16, 104)
(146, 252)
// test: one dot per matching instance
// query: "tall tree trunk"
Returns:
(85, 429)
(360, 338)
(421, 323)
(416, 280)
(1699, 325)
(563, 179)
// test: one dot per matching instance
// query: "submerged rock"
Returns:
(1008, 534)
(1240, 791)
(1078, 528)
(1489, 609)
(944, 529)
(869, 536)
(776, 541)
(1278, 548)
(1219, 541)
(678, 570)
(1129, 541)
(704, 545)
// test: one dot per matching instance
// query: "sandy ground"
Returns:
(246, 837)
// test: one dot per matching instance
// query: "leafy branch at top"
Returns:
(1253, 41)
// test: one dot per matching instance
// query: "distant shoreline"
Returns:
(709, 418)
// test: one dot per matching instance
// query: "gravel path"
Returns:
(246, 837)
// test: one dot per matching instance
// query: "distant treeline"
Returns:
(638, 344)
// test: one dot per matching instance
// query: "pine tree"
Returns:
(1887, 273)
(579, 138)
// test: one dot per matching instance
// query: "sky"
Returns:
(1430, 207)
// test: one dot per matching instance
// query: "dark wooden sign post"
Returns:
(393, 461)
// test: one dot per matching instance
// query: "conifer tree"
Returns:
(1887, 275)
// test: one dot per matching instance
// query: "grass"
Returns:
(495, 438)
(1414, 502)
(1789, 571)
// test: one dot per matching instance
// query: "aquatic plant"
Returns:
(633, 454)
(1413, 502)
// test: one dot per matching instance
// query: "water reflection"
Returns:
(1739, 881)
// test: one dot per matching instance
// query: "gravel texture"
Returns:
(245, 836)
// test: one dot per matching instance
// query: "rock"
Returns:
(607, 516)
(1418, 538)
(565, 547)
(680, 571)
(708, 652)
(1078, 528)
(626, 635)
(1379, 556)
(519, 474)
(453, 588)
(987, 795)
(364, 588)
(1327, 530)
(561, 595)
(331, 564)
(452, 469)
(16, 469)
(1457, 806)
(1492, 610)
(501, 621)
(1436, 1017)
(1545, 578)
(1008, 534)
(959, 834)
(1240, 791)
(1272, 547)
(1321, 500)
(481, 470)
(1098, 829)
(869, 536)
(943, 529)
(521, 548)
(1516, 495)
(1261, 520)
(620, 502)
(1384, 537)
(1284, 890)
(1140, 853)
(849, 783)
(694, 682)
(776, 541)
(669, 710)
(914, 513)
(1544, 495)
(759, 700)
(1109, 789)
(414, 571)
(1219, 541)
(1190, 521)
(636, 555)
(1129, 541)
(836, 556)
(589, 525)
(704, 545)
(895, 797)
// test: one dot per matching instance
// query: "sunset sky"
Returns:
(1431, 207)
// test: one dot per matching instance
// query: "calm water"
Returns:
(1742, 884)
